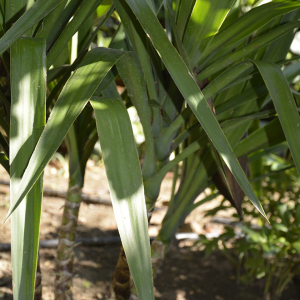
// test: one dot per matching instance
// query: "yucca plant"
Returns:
(198, 73)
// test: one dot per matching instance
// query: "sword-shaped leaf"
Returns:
(83, 12)
(205, 21)
(235, 195)
(264, 137)
(36, 12)
(191, 92)
(284, 104)
(129, 196)
(28, 82)
(250, 48)
(126, 188)
(74, 96)
(248, 23)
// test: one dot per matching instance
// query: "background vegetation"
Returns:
(213, 82)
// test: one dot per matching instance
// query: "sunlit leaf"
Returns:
(28, 95)
(126, 188)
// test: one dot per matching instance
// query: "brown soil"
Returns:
(185, 274)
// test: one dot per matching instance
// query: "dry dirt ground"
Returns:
(185, 275)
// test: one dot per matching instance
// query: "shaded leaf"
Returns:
(36, 12)
(74, 96)
(284, 104)
(190, 90)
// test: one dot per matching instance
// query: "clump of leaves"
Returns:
(265, 250)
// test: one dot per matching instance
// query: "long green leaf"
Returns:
(28, 84)
(202, 26)
(36, 12)
(248, 95)
(228, 76)
(184, 13)
(62, 20)
(139, 98)
(46, 29)
(244, 51)
(70, 103)
(13, 11)
(231, 124)
(132, 74)
(164, 141)
(73, 98)
(266, 136)
(250, 22)
(84, 11)
(179, 44)
(284, 104)
(126, 188)
(191, 92)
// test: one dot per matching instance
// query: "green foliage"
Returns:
(198, 73)
(257, 249)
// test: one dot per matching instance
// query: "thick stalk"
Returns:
(121, 281)
(65, 255)
(80, 145)
(67, 232)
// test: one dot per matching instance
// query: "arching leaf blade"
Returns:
(284, 104)
(264, 137)
(248, 23)
(83, 12)
(74, 96)
(253, 46)
(191, 92)
(202, 26)
(36, 12)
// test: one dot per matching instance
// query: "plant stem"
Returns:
(121, 281)
(79, 149)
(65, 255)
